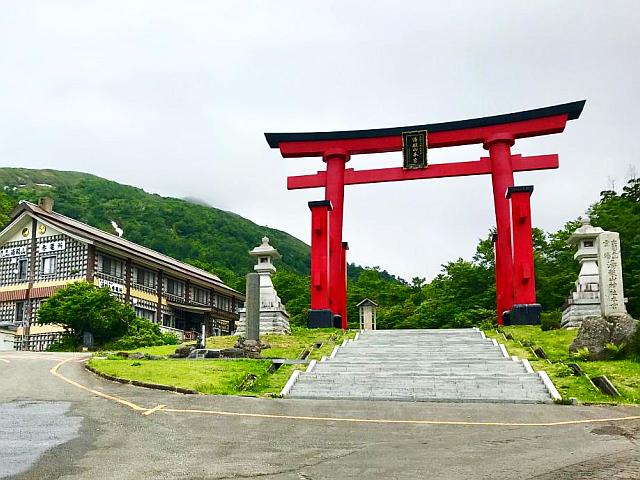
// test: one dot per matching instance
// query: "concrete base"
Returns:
(271, 321)
(578, 310)
(320, 319)
(525, 314)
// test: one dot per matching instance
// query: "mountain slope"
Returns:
(207, 237)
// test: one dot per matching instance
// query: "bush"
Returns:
(632, 347)
(550, 320)
(67, 343)
(142, 333)
(582, 354)
(613, 351)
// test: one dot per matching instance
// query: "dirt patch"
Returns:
(614, 430)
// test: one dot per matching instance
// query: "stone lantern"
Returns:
(367, 308)
(584, 300)
(273, 315)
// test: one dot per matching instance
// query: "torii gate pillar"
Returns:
(525, 310)
(499, 146)
(336, 160)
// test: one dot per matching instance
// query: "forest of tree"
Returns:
(462, 294)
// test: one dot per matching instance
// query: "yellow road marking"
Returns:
(154, 409)
(161, 408)
(405, 422)
(54, 371)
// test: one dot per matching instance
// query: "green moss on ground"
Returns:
(624, 374)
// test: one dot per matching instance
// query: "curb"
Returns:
(137, 383)
(289, 385)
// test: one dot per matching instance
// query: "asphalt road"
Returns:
(79, 426)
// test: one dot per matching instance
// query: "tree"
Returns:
(555, 268)
(80, 307)
(6, 205)
(294, 291)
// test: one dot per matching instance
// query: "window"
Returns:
(224, 303)
(175, 287)
(146, 277)
(111, 266)
(146, 314)
(19, 311)
(588, 243)
(48, 265)
(200, 295)
(168, 320)
(22, 269)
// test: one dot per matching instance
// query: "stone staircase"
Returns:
(454, 365)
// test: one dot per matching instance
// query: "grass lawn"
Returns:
(217, 377)
(282, 346)
(624, 374)
(224, 377)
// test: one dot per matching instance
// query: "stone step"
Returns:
(497, 361)
(418, 398)
(426, 381)
(418, 346)
(406, 368)
(421, 365)
(441, 372)
(423, 393)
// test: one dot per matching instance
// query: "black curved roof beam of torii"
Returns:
(528, 123)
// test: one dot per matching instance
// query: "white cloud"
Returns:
(175, 97)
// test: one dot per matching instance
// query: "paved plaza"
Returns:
(74, 425)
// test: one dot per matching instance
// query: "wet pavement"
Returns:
(76, 426)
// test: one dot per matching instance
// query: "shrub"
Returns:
(632, 347)
(67, 343)
(613, 351)
(550, 320)
(142, 333)
(582, 354)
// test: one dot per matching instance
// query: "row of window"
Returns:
(47, 267)
(148, 278)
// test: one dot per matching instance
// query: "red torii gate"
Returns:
(515, 287)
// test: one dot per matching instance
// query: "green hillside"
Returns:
(207, 237)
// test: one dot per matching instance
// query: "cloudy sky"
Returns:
(175, 96)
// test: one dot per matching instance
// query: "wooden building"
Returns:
(41, 251)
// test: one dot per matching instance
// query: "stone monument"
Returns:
(610, 269)
(273, 315)
(252, 346)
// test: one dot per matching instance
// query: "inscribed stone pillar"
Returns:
(610, 267)
(253, 306)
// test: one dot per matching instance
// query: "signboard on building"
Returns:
(113, 286)
(54, 246)
(19, 251)
(414, 149)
